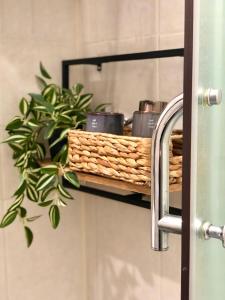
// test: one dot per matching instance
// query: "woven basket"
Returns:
(119, 157)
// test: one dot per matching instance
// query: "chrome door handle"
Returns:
(210, 231)
(162, 222)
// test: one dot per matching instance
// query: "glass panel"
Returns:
(208, 153)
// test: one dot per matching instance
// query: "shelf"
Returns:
(122, 185)
(86, 178)
(134, 193)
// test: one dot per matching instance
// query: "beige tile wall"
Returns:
(53, 268)
(120, 263)
(114, 27)
(102, 249)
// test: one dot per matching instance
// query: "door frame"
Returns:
(187, 122)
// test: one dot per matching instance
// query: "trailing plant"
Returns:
(41, 115)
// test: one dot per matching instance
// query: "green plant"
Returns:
(40, 116)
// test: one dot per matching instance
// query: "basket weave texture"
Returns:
(119, 157)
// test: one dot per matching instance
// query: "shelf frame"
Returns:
(99, 61)
(133, 198)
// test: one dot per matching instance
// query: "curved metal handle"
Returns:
(162, 221)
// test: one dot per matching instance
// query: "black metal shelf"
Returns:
(98, 61)
(134, 198)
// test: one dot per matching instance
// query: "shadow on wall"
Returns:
(121, 280)
(120, 262)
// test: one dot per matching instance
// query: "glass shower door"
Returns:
(207, 267)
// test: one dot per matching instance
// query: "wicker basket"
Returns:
(120, 157)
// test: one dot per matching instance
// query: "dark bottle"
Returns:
(144, 120)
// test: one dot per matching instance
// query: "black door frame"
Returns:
(187, 117)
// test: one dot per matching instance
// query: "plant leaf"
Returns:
(50, 94)
(17, 138)
(16, 147)
(44, 72)
(22, 211)
(16, 204)
(33, 123)
(39, 99)
(46, 192)
(20, 161)
(24, 130)
(54, 216)
(72, 178)
(24, 106)
(46, 203)
(32, 193)
(44, 181)
(63, 134)
(20, 190)
(40, 82)
(14, 124)
(58, 156)
(84, 101)
(40, 108)
(65, 119)
(64, 156)
(78, 88)
(67, 112)
(49, 169)
(64, 192)
(32, 219)
(8, 218)
(101, 107)
(50, 129)
(62, 203)
(29, 236)
(60, 106)
(41, 151)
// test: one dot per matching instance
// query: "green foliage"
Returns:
(40, 116)
(54, 216)
(29, 236)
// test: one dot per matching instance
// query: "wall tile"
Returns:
(171, 270)
(122, 84)
(3, 262)
(115, 20)
(126, 267)
(21, 69)
(18, 78)
(53, 267)
(1, 18)
(9, 177)
(170, 78)
(176, 200)
(91, 246)
(120, 46)
(52, 55)
(102, 249)
(1, 164)
(53, 25)
(171, 16)
(171, 41)
(17, 19)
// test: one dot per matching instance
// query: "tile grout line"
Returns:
(96, 250)
(157, 46)
(5, 266)
(84, 247)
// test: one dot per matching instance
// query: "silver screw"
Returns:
(213, 97)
